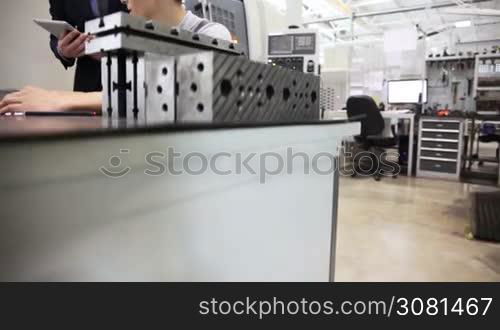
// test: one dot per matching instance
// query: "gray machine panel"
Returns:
(292, 44)
(230, 13)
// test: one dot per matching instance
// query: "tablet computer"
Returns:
(56, 28)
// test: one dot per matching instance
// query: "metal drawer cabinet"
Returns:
(450, 146)
(439, 154)
(449, 167)
(436, 135)
(441, 124)
(440, 148)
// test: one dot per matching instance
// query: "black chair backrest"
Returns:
(364, 109)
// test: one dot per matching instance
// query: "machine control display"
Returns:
(280, 45)
(305, 43)
(292, 44)
(291, 63)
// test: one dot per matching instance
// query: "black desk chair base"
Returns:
(371, 159)
(372, 144)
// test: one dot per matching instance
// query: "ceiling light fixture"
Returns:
(463, 24)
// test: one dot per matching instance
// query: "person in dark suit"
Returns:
(167, 12)
(70, 48)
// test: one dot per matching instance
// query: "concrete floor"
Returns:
(410, 230)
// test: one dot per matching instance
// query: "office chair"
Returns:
(365, 110)
(490, 135)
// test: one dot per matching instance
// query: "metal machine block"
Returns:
(125, 33)
(160, 88)
(245, 91)
(161, 75)
(210, 87)
(148, 87)
(196, 85)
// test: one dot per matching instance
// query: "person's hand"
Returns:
(72, 44)
(96, 57)
(34, 99)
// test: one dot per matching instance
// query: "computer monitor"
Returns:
(407, 91)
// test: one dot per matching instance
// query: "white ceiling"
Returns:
(371, 28)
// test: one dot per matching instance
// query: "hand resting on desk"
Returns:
(36, 99)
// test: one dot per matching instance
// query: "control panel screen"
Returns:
(280, 45)
(305, 43)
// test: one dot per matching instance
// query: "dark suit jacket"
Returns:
(76, 13)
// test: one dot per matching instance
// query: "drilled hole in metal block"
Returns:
(194, 88)
(201, 67)
(159, 89)
(174, 32)
(165, 107)
(226, 87)
(215, 42)
(196, 37)
(200, 107)
(164, 71)
(286, 94)
(314, 97)
(231, 46)
(269, 92)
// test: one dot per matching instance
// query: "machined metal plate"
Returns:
(243, 91)
(122, 31)
(195, 79)
(210, 87)
(160, 88)
(246, 91)
(149, 91)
